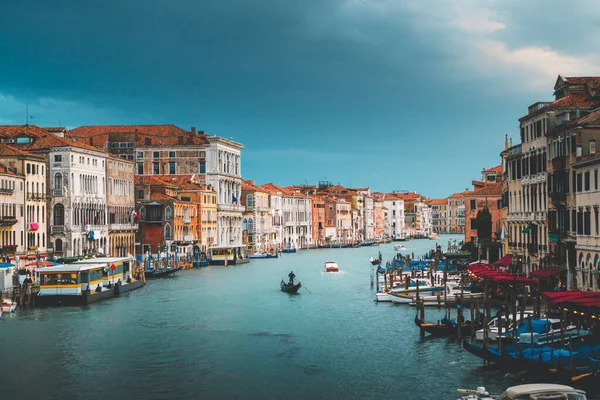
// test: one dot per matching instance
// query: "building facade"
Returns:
(120, 203)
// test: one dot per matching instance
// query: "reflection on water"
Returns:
(229, 332)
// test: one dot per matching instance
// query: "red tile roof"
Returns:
(158, 196)
(497, 169)
(592, 81)
(575, 99)
(155, 130)
(8, 171)
(7, 151)
(12, 131)
(247, 185)
(438, 201)
(489, 189)
(49, 141)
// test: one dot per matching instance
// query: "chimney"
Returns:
(201, 132)
(180, 138)
(510, 142)
(193, 130)
(91, 140)
(505, 142)
(252, 182)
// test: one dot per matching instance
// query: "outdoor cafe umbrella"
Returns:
(6, 265)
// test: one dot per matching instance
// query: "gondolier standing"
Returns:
(291, 275)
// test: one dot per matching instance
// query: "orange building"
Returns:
(484, 194)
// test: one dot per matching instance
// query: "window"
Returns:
(586, 180)
(59, 215)
(140, 154)
(202, 167)
(592, 147)
(172, 170)
(23, 140)
(171, 154)
(156, 154)
(249, 200)
(474, 223)
(58, 181)
(156, 168)
(596, 179)
(167, 231)
(473, 204)
(140, 168)
(579, 182)
(168, 213)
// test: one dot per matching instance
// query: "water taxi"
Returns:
(86, 281)
(227, 255)
(331, 266)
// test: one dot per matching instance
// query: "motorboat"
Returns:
(8, 306)
(453, 296)
(528, 391)
(399, 247)
(375, 261)
(264, 254)
(434, 236)
(493, 326)
(331, 266)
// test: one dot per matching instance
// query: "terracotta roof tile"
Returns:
(575, 99)
(158, 196)
(489, 189)
(16, 130)
(497, 169)
(156, 130)
(438, 201)
(8, 171)
(592, 81)
(9, 151)
(49, 141)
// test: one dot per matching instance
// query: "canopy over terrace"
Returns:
(573, 298)
(488, 272)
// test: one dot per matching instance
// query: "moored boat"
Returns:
(264, 254)
(399, 247)
(331, 266)
(375, 261)
(160, 272)
(86, 281)
(290, 287)
(8, 306)
(527, 391)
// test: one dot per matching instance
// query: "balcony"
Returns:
(122, 227)
(8, 249)
(57, 192)
(8, 221)
(187, 220)
(230, 208)
(57, 229)
(188, 238)
(36, 196)
(154, 220)
(6, 191)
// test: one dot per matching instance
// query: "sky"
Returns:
(392, 95)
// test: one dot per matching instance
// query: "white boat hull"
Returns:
(400, 299)
(434, 301)
(8, 308)
(383, 297)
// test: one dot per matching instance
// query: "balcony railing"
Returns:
(6, 191)
(8, 249)
(57, 229)
(230, 207)
(187, 220)
(36, 196)
(8, 221)
(57, 192)
(122, 227)
(188, 238)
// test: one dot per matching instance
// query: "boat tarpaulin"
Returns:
(544, 273)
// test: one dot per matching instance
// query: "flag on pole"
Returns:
(234, 199)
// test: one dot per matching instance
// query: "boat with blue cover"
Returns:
(264, 254)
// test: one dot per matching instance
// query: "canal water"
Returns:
(230, 333)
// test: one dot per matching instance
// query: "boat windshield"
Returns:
(59, 279)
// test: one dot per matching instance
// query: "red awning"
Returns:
(504, 261)
(494, 274)
(544, 273)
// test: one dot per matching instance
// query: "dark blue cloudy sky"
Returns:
(389, 94)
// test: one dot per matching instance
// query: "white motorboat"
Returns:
(399, 247)
(529, 391)
(492, 327)
(331, 266)
(8, 306)
(383, 296)
(453, 295)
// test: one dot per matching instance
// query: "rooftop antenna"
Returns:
(26, 114)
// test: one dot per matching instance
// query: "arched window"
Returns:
(168, 213)
(143, 213)
(245, 225)
(249, 200)
(167, 231)
(250, 226)
(59, 215)
(58, 246)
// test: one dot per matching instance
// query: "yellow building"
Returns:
(208, 209)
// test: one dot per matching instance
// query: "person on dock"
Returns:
(291, 275)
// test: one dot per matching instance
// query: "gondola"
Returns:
(375, 261)
(290, 287)
(433, 329)
(160, 273)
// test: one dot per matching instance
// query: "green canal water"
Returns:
(229, 333)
